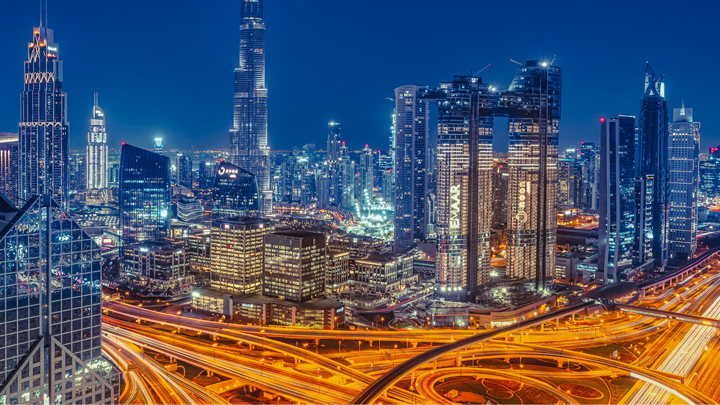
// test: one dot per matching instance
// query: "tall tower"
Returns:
(684, 183)
(617, 198)
(411, 141)
(652, 171)
(43, 127)
(334, 151)
(97, 150)
(248, 138)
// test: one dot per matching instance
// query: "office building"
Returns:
(43, 128)
(248, 139)
(500, 177)
(367, 176)
(236, 193)
(51, 311)
(9, 165)
(387, 188)
(411, 142)
(383, 273)
(144, 195)
(347, 183)
(198, 251)
(338, 271)
(78, 174)
(617, 199)
(97, 150)
(683, 183)
(237, 253)
(570, 182)
(590, 157)
(206, 178)
(332, 160)
(710, 176)
(652, 169)
(464, 173)
(159, 263)
(184, 171)
(189, 209)
(294, 265)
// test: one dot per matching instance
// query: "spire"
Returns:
(96, 100)
(682, 107)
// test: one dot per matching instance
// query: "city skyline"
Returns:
(210, 31)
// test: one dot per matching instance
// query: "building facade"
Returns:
(338, 270)
(294, 265)
(51, 312)
(384, 273)
(159, 262)
(411, 143)
(144, 195)
(237, 253)
(248, 138)
(9, 165)
(683, 183)
(236, 193)
(617, 199)
(97, 151)
(43, 128)
(590, 157)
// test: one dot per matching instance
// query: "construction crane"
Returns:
(480, 71)
(514, 61)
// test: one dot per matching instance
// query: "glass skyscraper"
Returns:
(411, 142)
(617, 198)
(590, 157)
(684, 183)
(9, 165)
(652, 168)
(43, 127)
(235, 193)
(144, 194)
(97, 150)
(248, 138)
(51, 310)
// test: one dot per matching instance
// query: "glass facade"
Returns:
(43, 127)
(294, 265)
(235, 193)
(144, 195)
(248, 138)
(617, 198)
(590, 157)
(9, 166)
(50, 310)
(684, 185)
(97, 150)
(237, 253)
(411, 143)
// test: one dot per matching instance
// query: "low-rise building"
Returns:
(383, 273)
(159, 263)
(338, 271)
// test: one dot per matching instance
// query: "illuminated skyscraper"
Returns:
(43, 127)
(294, 265)
(367, 176)
(590, 157)
(411, 142)
(144, 195)
(97, 150)
(248, 138)
(237, 253)
(684, 183)
(9, 165)
(333, 154)
(652, 169)
(235, 193)
(617, 199)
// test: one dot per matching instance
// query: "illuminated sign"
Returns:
(52, 48)
(224, 170)
(339, 310)
(248, 306)
(522, 216)
(454, 206)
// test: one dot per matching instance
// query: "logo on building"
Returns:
(522, 216)
(455, 206)
(224, 170)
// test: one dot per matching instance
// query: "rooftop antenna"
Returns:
(96, 99)
(41, 13)
(46, 13)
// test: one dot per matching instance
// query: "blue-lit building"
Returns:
(710, 176)
(43, 127)
(144, 194)
(235, 193)
(51, 309)
(617, 199)
(652, 168)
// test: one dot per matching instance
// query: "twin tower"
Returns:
(467, 108)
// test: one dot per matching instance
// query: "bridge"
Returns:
(667, 280)
(699, 320)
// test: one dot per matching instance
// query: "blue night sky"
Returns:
(164, 67)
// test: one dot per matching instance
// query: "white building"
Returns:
(97, 151)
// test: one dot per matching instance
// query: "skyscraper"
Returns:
(235, 193)
(333, 154)
(411, 142)
(294, 265)
(248, 138)
(51, 311)
(367, 176)
(144, 194)
(590, 176)
(43, 128)
(652, 167)
(617, 198)
(9, 165)
(570, 182)
(464, 173)
(684, 182)
(97, 150)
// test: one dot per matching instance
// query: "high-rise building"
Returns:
(332, 160)
(51, 311)
(78, 174)
(144, 195)
(367, 176)
(590, 157)
(158, 262)
(43, 128)
(184, 170)
(388, 191)
(652, 167)
(500, 179)
(710, 175)
(294, 265)
(334, 141)
(206, 178)
(9, 165)
(248, 138)
(464, 173)
(617, 199)
(411, 142)
(237, 253)
(97, 150)
(684, 182)
(235, 193)
(347, 182)
(570, 182)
